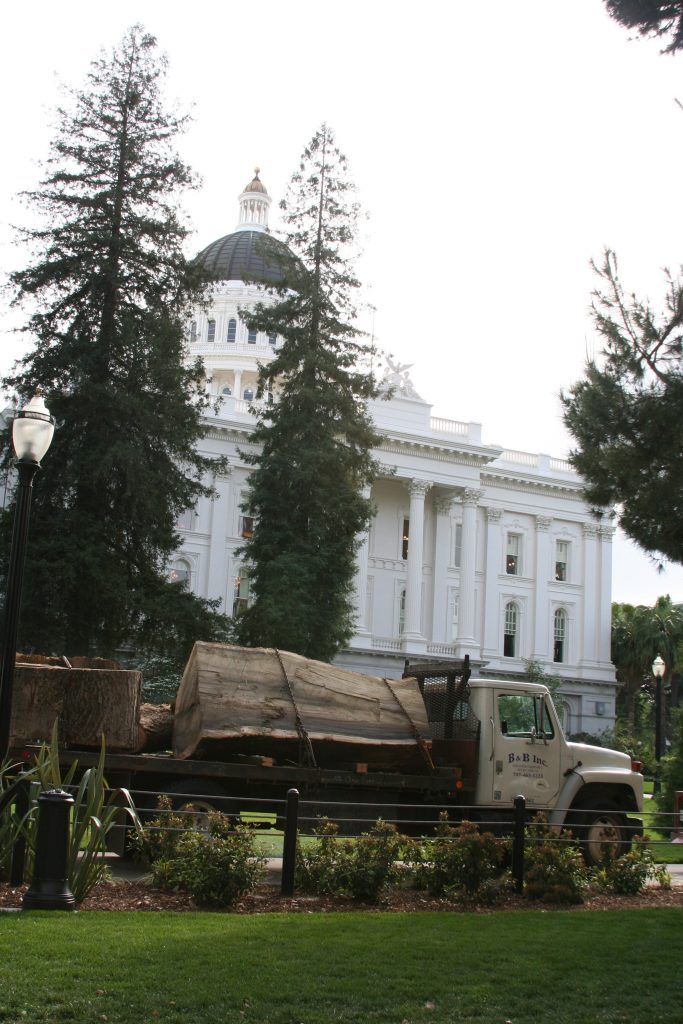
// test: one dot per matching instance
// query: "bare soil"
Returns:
(140, 895)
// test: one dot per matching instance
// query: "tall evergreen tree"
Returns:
(625, 414)
(309, 488)
(107, 291)
(662, 19)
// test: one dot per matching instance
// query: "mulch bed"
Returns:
(141, 896)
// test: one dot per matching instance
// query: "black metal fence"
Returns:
(283, 821)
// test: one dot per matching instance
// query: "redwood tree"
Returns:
(309, 487)
(106, 293)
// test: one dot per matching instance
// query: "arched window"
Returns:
(181, 573)
(211, 336)
(251, 337)
(248, 395)
(226, 390)
(560, 635)
(232, 330)
(510, 630)
(193, 332)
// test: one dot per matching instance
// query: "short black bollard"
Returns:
(49, 889)
(518, 843)
(21, 802)
(289, 843)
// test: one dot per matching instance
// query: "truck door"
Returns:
(526, 749)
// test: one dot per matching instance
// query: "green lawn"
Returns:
(568, 968)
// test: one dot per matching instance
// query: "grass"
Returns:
(657, 828)
(122, 968)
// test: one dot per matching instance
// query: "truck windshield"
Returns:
(519, 714)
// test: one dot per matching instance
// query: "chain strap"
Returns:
(422, 743)
(306, 753)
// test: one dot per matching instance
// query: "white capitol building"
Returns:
(474, 549)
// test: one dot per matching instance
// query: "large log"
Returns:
(236, 700)
(155, 729)
(89, 703)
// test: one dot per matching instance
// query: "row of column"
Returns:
(597, 570)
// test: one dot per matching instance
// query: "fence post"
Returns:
(289, 843)
(518, 843)
(21, 802)
(49, 889)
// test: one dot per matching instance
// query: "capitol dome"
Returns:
(246, 252)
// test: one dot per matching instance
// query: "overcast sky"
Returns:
(497, 147)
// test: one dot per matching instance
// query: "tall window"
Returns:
(402, 611)
(560, 635)
(405, 536)
(510, 630)
(272, 339)
(211, 336)
(185, 520)
(513, 555)
(241, 596)
(562, 560)
(248, 395)
(454, 617)
(247, 527)
(232, 330)
(251, 337)
(457, 553)
(180, 573)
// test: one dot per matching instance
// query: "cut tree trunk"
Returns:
(236, 700)
(155, 731)
(89, 703)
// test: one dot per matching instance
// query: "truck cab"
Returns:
(509, 742)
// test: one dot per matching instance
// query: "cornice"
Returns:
(510, 482)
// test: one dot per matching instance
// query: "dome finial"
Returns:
(254, 203)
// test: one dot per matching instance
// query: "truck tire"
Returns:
(596, 827)
(196, 799)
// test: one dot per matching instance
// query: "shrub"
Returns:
(628, 875)
(554, 869)
(215, 867)
(158, 839)
(460, 859)
(359, 868)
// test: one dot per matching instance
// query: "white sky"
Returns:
(497, 147)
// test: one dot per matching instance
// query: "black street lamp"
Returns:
(658, 670)
(32, 432)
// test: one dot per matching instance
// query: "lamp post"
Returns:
(32, 432)
(658, 670)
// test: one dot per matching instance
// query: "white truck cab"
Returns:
(523, 751)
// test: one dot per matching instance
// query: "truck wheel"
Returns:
(195, 809)
(597, 828)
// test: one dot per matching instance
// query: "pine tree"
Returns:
(653, 18)
(107, 291)
(309, 489)
(625, 414)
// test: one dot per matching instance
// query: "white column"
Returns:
(218, 568)
(606, 534)
(442, 560)
(494, 562)
(591, 594)
(412, 635)
(543, 567)
(466, 643)
(237, 390)
(362, 629)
